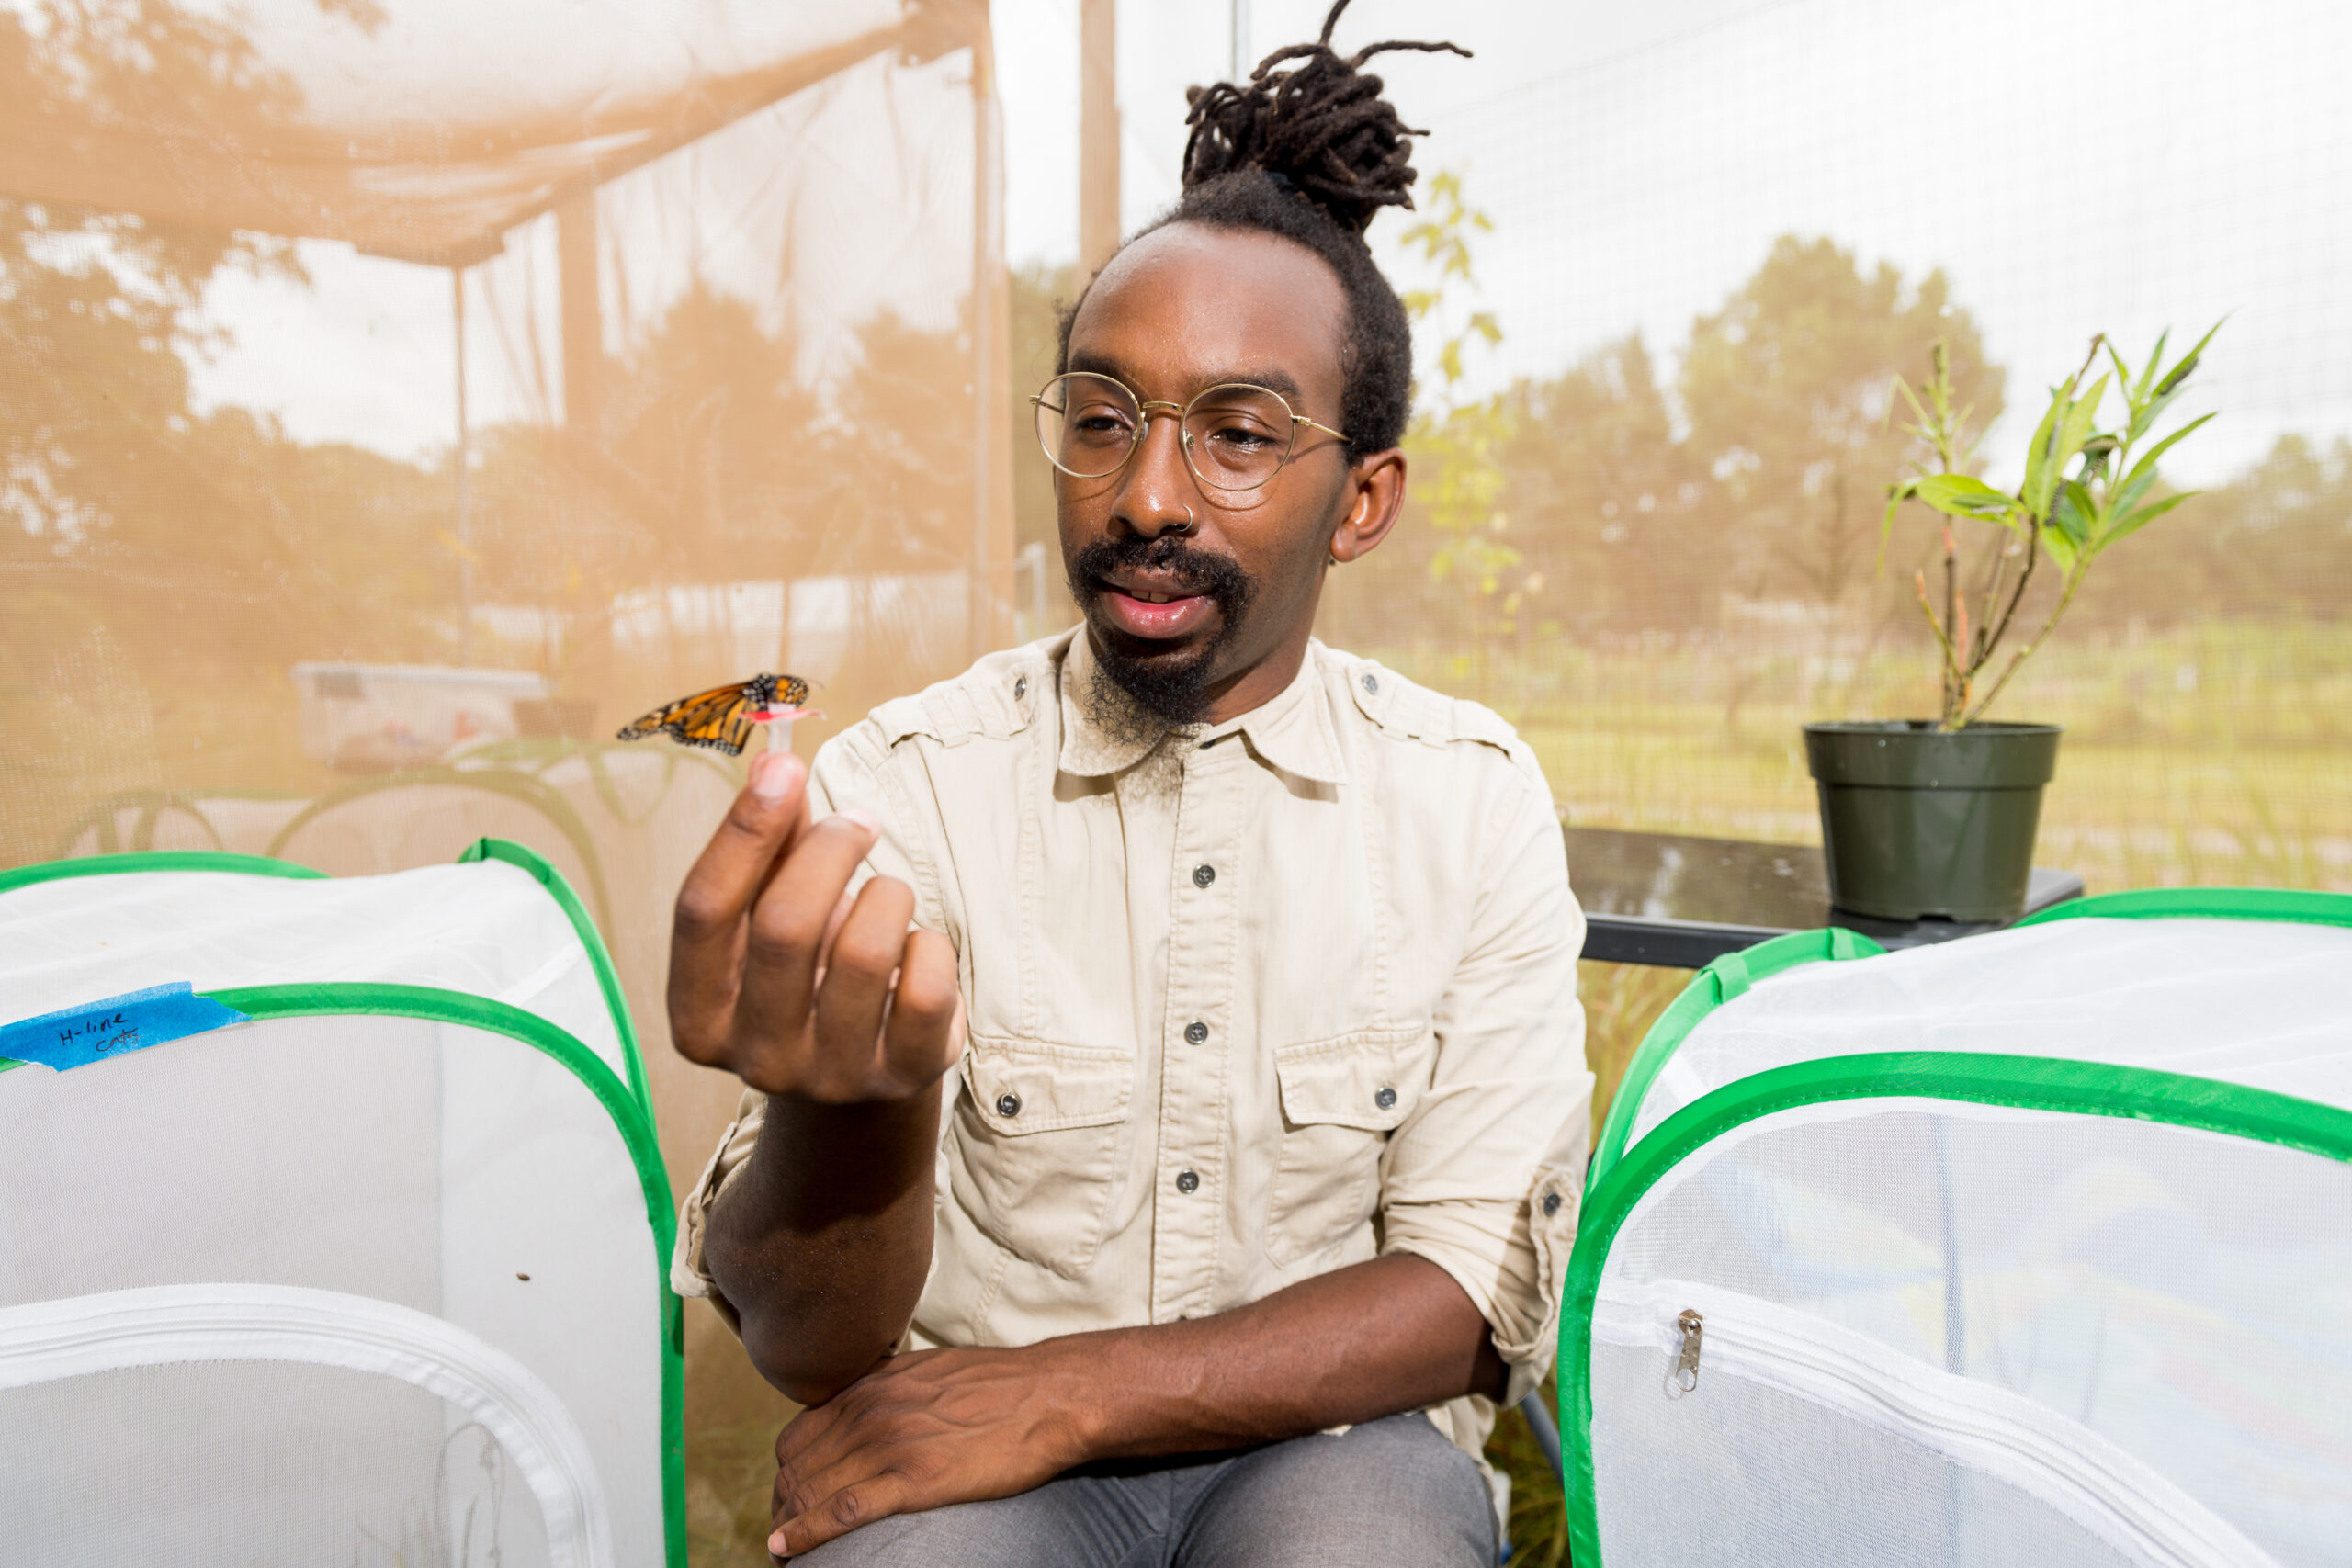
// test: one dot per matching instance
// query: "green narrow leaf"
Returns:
(2155, 358)
(2039, 468)
(2126, 496)
(2080, 419)
(2152, 410)
(2189, 362)
(2144, 472)
(2073, 514)
(2059, 549)
(1896, 496)
(1959, 495)
(2145, 515)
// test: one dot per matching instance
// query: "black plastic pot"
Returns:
(1917, 822)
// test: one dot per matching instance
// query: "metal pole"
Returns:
(465, 461)
(1240, 42)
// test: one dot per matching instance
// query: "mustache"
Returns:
(1213, 576)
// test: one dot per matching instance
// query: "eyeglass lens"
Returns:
(1236, 437)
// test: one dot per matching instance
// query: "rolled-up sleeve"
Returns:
(1483, 1179)
(689, 1275)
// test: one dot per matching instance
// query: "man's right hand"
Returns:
(779, 976)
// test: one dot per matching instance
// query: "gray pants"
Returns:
(1390, 1494)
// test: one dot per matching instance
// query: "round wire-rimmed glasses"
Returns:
(1235, 436)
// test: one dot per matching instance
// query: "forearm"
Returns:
(1393, 1334)
(822, 1243)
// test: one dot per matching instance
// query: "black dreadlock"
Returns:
(1312, 155)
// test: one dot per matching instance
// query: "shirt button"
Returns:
(1008, 1105)
(1187, 1182)
(1202, 875)
(1384, 1097)
(1371, 685)
(1020, 687)
(1197, 1032)
(1551, 1203)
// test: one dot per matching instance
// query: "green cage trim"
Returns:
(584, 926)
(155, 860)
(630, 1119)
(2291, 905)
(2032, 1083)
(627, 1102)
(1729, 976)
(1714, 984)
(599, 956)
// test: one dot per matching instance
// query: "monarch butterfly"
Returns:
(723, 717)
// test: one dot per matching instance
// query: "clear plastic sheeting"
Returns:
(397, 397)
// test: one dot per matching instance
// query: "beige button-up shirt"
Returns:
(1248, 1003)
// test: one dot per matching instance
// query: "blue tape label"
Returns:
(115, 1027)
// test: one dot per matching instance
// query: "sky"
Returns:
(2073, 167)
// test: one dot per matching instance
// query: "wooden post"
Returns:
(464, 461)
(990, 600)
(1098, 133)
(584, 327)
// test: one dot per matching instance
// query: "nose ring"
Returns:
(1189, 523)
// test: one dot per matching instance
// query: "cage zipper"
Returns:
(1686, 1366)
(2103, 1486)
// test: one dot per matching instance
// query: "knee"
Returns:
(1391, 1494)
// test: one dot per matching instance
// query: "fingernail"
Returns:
(775, 1545)
(863, 818)
(773, 774)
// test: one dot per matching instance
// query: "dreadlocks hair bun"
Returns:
(1311, 154)
(1320, 128)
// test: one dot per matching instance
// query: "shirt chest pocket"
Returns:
(1341, 1099)
(1037, 1145)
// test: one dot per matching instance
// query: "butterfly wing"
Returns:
(712, 718)
(720, 717)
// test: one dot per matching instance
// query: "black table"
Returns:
(1678, 902)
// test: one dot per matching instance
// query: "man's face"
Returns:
(1179, 612)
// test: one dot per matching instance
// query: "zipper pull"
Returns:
(1686, 1368)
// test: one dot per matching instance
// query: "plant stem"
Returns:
(1919, 585)
(1955, 613)
(1993, 640)
(2074, 581)
(1991, 598)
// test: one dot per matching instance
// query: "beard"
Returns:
(1169, 683)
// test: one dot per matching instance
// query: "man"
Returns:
(1165, 1105)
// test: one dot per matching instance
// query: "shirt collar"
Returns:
(1292, 732)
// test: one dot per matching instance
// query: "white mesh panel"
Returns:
(1747, 1477)
(262, 1464)
(450, 1170)
(2175, 1297)
(2251, 1002)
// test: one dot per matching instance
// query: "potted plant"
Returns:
(1936, 817)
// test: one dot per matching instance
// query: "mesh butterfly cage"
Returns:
(334, 1224)
(2031, 1247)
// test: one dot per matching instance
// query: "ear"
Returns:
(1377, 496)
